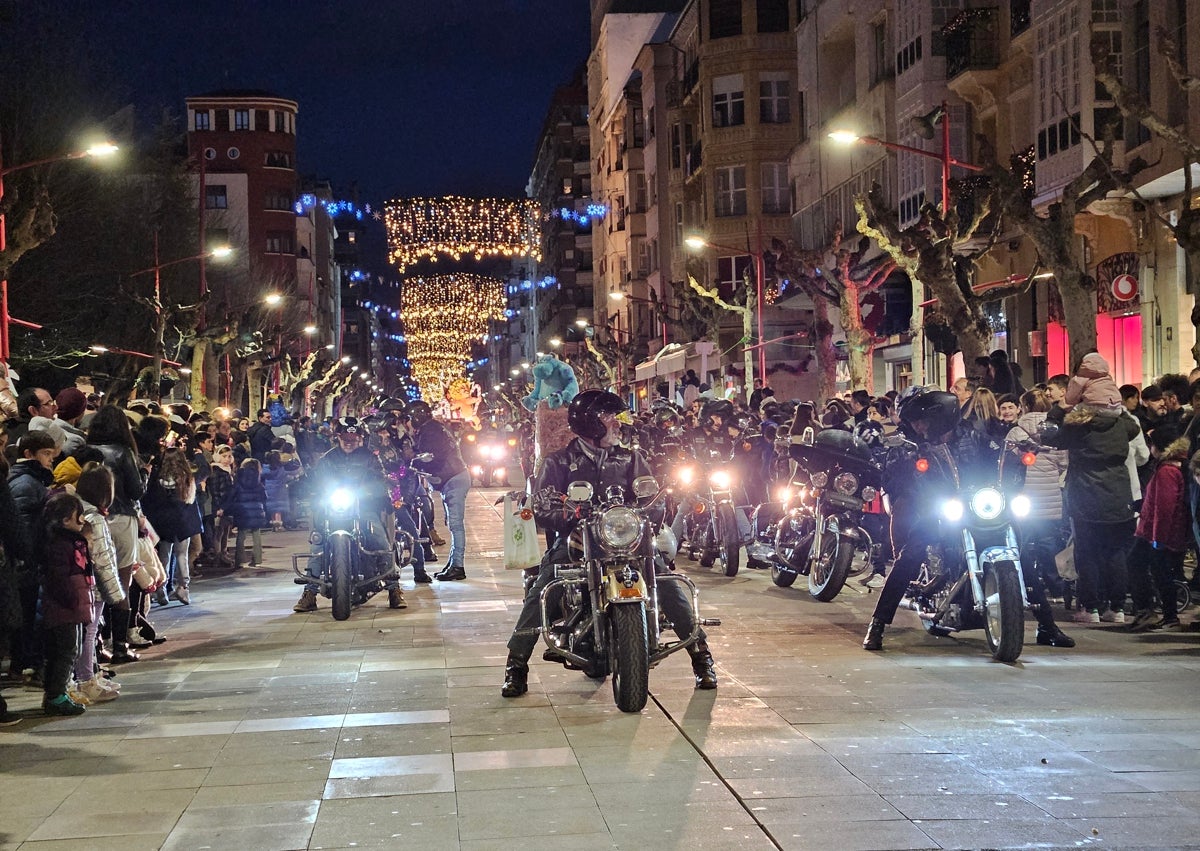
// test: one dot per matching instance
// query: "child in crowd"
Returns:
(248, 505)
(275, 481)
(1093, 385)
(220, 486)
(1163, 532)
(67, 580)
(94, 487)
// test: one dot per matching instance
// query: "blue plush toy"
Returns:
(554, 381)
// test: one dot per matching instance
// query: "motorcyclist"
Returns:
(393, 447)
(712, 443)
(595, 456)
(454, 480)
(957, 454)
(351, 464)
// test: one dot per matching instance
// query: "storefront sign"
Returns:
(1124, 287)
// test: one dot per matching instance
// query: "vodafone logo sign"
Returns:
(1124, 287)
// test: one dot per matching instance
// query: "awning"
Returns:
(645, 370)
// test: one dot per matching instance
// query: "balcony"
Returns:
(972, 40)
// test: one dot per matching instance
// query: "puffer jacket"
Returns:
(30, 484)
(247, 502)
(129, 483)
(1164, 520)
(1097, 444)
(67, 580)
(104, 556)
(1043, 480)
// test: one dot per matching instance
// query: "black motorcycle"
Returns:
(350, 572)
(817, 531)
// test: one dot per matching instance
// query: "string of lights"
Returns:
(454, 226)
(443, 316)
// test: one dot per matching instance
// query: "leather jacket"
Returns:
(709, 447)
(128, 478)
(580, 461)
(359, 469)
(436, 439)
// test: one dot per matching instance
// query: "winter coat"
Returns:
(261, 439)
(129, 483)
(104, 556)
(275, 481)
(220, 485)
(30, 484)
(67, 580)
(1139, 454)
(1043, 480)
(1164, 521)
(247, 504)
(1097, 444)
(1093, 385)
(436, 439)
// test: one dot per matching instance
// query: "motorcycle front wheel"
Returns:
(339, 572)
(781, 577)
(629, 656)
(729, 539)
(1004, 618)
(829, 571)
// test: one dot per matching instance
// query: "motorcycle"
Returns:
(820, 531)
(600, 612)
(972, 578)
(489, 459)
(419, 507)
(350, 571)
(711, 528)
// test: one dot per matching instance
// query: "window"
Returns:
(351, 237)
(262, 119)
(650, 123)
(233, 153)
(730, 190)
(277, 199)
(280, 121)
(774, 188)
(801, 117)
(222, 120)
(773, 104)
(724, 18)
(679, 224)
(210, 153)
(278, 159)
(1057, 75)
(201, 120)
(676, 147)
(241, 119)
(732, 271)
(215, 197)
(772, 16)
(729, 101)
(881, 68)
(568, 185)
(281, 242)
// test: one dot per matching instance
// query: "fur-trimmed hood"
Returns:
(1177, 450)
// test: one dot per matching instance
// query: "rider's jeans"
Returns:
(454, 497)
(405, 522)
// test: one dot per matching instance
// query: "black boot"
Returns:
(1051, 636)
(874, 639)
(702, 667)
(121, 653)
(516, 677)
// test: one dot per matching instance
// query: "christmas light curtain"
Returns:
(454, 226)
(443, 315)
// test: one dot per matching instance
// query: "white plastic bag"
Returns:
(522, 548)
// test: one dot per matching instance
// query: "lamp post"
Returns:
(849, 137)
(99, 150)
(696, 242)
(620, 297)
(156, 304)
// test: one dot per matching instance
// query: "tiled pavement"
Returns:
(257, 728)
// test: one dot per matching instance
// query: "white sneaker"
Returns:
(96, 693)
(77, 694)
(1109, 616)
(1086, 616)
(106, 684)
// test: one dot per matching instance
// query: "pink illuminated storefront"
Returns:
(1118, 322)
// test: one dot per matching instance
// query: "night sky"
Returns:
(404, 97)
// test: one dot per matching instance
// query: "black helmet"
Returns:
(392, 405)
(350, 425)
(583, 414)
(722, 408)
(666, 416)
(937, 408)
(420, 413)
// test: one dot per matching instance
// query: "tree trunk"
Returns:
(196, 383)
(254, 381)
(824, 352)
(1079, 314)
(160, 333)
(859, 342)
(749, 355)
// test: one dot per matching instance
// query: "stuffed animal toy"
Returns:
(554, 381)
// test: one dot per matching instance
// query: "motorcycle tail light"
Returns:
(922, 465)
(1029, 459)
(629, 592)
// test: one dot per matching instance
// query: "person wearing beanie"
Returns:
(72, 405)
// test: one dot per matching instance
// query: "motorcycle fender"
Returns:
(992, 555)
(616, 591)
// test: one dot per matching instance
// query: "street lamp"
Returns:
(620, 297)
(104, 350)
(102, 149)
(925, 126)
(696, 243)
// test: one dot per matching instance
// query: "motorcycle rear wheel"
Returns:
(828, 573)
(630, 656)
(1004, 618)
(729, 540)
(339, 572)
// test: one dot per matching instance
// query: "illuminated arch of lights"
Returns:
(443, 315)
(454, 226)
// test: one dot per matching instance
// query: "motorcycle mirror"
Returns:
(425, 456)
(580, 491)
(808, 436)
(644, 486)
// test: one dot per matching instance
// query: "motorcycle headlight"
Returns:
(845, 483)
(477, 470)
(952, 510)
(820, 479)
(1020, 505)
(785, 494)
(620, 527)
(498, 452)
(341, 501)
(987, 503)
(720, 480)
(685, 475)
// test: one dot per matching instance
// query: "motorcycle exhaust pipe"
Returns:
(909, 604)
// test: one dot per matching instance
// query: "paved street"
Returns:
(257, 728)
